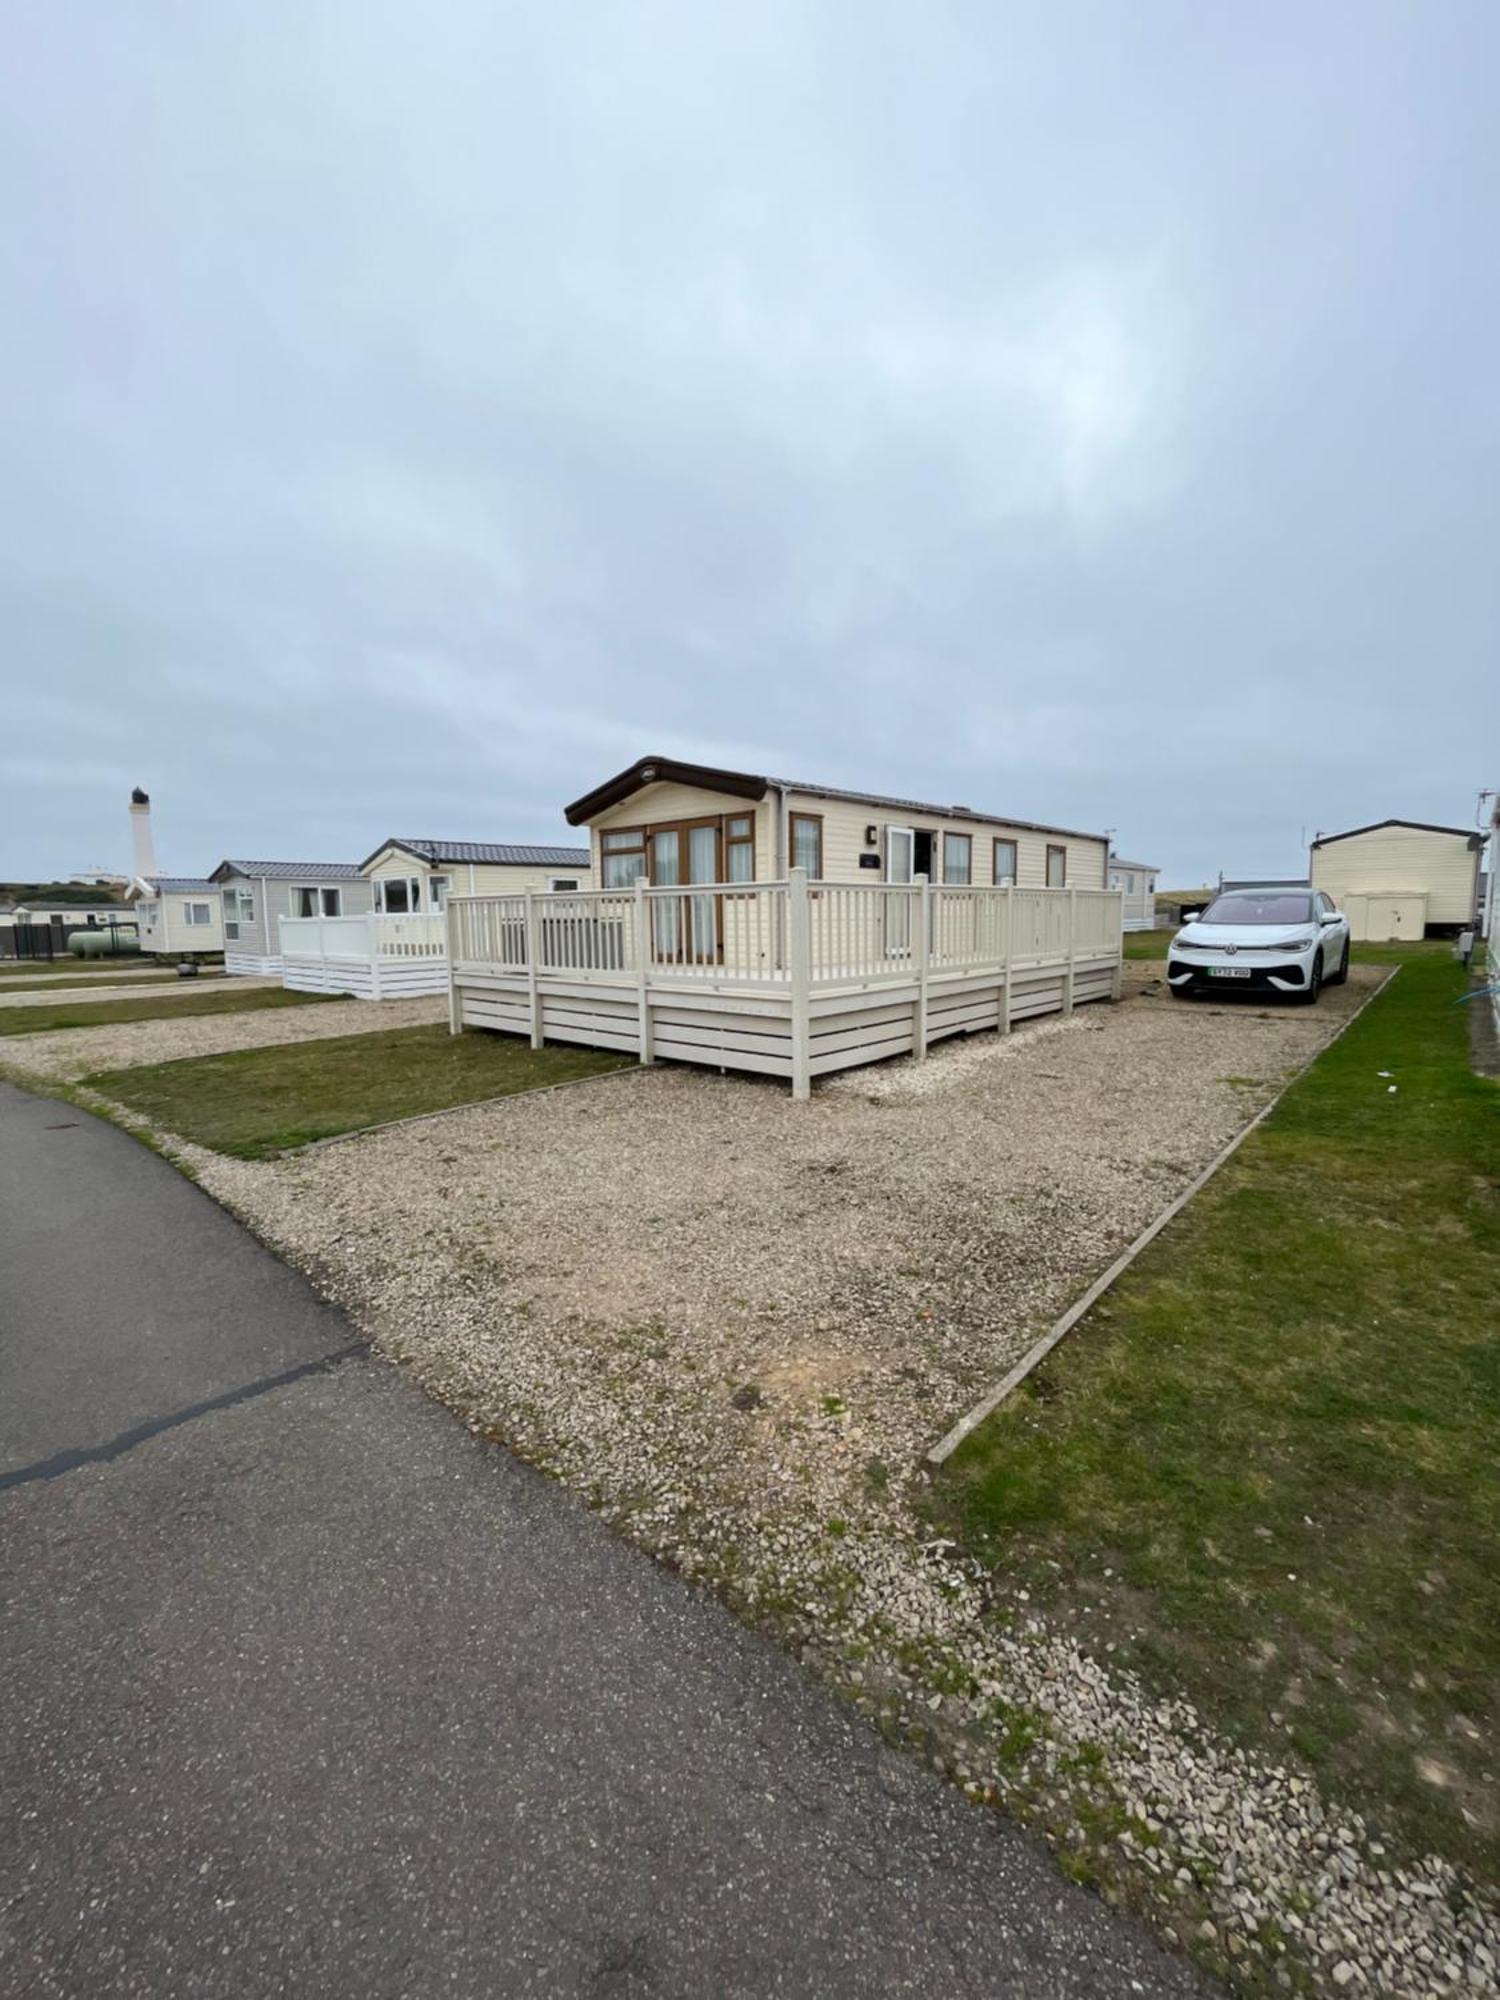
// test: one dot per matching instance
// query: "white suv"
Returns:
(1274, 940)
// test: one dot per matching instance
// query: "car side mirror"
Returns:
(1330, 916)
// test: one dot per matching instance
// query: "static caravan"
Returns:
(1136, 883)
(257, 895)
(180, 916)
(396, 946)
(788, 930)
(683, 823)
(1401, 878)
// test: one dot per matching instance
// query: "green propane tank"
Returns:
(102, 943)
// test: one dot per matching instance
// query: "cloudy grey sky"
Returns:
(413, 414)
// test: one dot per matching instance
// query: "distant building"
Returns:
(1136, 882)
(1401, 878)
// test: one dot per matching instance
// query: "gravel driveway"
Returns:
(629, 1257)
(75, 1052)
(736, 1323)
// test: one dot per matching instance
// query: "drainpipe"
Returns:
(265, 923)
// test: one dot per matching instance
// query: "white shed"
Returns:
(1401, 878)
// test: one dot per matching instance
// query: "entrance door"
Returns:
(900, 856)
(686, 927)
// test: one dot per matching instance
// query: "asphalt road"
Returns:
(305, 1691)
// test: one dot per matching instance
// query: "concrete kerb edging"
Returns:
(994, 1397)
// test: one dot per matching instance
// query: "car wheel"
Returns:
(1309, 997)
(1342, 974)
(1181, 992)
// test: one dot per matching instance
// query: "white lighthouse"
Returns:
(140, 834)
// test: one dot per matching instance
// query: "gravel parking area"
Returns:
(75, 1052)
(628, 1259)
(101, 989)
(737, 1323)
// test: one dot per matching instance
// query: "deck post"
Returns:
(453, 1020)
(924, 937)
(1007, 957)
(643, 971)
(799, 955)
(533, 955)
(1067, 1005)
(1117, 980)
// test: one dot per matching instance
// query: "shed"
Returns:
(1376, 874)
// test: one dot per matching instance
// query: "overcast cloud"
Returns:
(411, 415)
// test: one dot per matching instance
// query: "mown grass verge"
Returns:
(256, 1103)
(42, 1020)
(1265, 1468)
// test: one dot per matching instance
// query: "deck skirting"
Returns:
(251, 965)
(378, 978)
(753, 1032)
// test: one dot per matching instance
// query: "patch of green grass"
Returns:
(29, 969)
(139, 977)
(1266, 1464)
(255, 1103)
(150, 1007)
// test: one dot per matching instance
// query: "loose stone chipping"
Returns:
(73, 1052)
(736, 1324)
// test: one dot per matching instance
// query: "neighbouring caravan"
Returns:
(1401, 878)
(257, 895)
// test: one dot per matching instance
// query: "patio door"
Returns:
(685, 928)
(900, 856)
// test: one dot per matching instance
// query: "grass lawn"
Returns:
(28, 969)
(150, 1007)
(257, 1102)
(1281, 1434)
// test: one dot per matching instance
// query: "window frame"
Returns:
(965, 843)
(1014, 873)
(1062, 853)
(630, 844)
(563, 885)
(813, 820)
(191, 917)
(439, 888)
(732, 843)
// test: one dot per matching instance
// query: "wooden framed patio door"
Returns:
(686, 928)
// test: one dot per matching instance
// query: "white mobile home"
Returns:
(1401, 878)
(398, 945)
(682, 823)
(790, 930)
(1136, 883)
(257, 895)
(179, 915)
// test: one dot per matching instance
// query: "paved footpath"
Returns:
(304, 1691)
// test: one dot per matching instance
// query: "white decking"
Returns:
(784, 979)
(371, 957)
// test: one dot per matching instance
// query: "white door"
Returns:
(900, 848)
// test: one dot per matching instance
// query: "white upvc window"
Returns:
(196, 915)
(398, 895)
(313, 899)
(437, 890)
(559, 884)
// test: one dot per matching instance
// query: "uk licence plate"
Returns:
(1229, 972)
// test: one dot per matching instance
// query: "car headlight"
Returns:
(1297, 943)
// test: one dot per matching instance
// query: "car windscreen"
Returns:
(1253, 906)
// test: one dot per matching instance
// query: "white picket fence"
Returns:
(787, 978)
